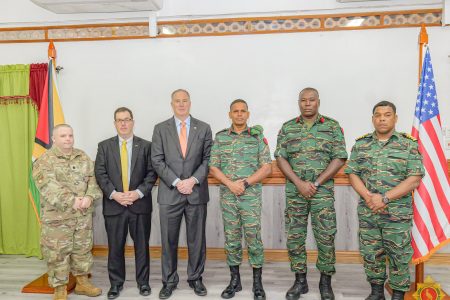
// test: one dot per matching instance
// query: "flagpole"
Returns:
(40, 285)
(423, 40)
(51, 50)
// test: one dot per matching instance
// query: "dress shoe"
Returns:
(198, 286)
(299, 287)
(144, 289)
(166, 291)
(114, 291)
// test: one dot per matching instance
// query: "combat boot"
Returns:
(398, 295)
(85, 287)
(377, 292)
(300, 287)
(235, 283)
(258, 290)
(326, 292)
(60, 293)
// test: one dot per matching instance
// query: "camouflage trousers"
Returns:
(379, 238)
(323, 221)
(66, 246)
(239, 214)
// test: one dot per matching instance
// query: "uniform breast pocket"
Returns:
(364, 164)
(396, 162)
(226, 148)
(293, 149)
(61, 172)
(251, 147)
(324, 140)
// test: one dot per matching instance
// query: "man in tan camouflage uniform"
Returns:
(240, 160)
(310, 151)
(65, 178)
(385, 167)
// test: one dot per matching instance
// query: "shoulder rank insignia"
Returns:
(408, 136)
(363, 136)
(223, 130)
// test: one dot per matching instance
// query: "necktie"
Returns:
(124, 165)
(183, 138)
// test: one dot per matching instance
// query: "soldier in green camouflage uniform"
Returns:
(310, 151)
(240, 159)
(379, 163)
(66, 182)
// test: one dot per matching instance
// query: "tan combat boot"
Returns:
(60, 293)
(85, 287)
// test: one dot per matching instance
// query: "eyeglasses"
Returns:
(124, 121)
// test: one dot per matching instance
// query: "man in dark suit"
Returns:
(124, 172)
(180, 154)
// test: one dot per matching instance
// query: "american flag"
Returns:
(431, 226)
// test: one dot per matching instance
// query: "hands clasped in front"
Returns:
(185, 186)
(375, 202)
(126, 198)
(306, 189)
(237, 187)
(82, 203)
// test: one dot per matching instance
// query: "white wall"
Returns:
(352, 70)
(19, 11)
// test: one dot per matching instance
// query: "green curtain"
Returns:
(14, 80)
(19, 228)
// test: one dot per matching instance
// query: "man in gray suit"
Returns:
(181, 148)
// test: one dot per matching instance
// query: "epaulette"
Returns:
(256, 130)
(408, 136)
(363, 136)
(295, 120)
(223, 130)
(329, 119)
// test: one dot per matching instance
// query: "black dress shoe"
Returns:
(198, 286)
(114, 291)
(144, 289)
(166, 291)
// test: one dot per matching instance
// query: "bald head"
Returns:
(62, 138)
(308, 89)
(59, 126)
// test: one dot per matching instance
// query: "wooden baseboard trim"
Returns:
(271, 255)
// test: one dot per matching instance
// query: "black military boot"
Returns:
(377, 292)
(235, 283)
(326, 292)
(300, 287)
(398, 295)
(258, 290)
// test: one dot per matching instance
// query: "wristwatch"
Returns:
(316, 184)
(246, 184)
(385, 199)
